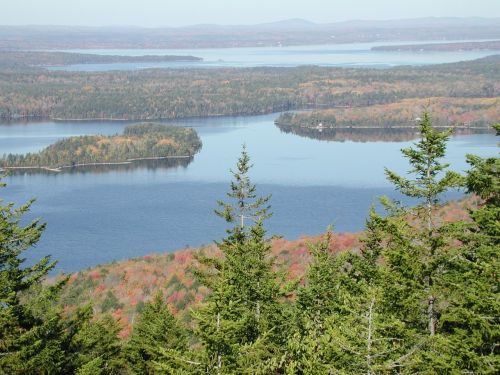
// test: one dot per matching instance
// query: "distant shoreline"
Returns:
(125, 162)
(492, 45)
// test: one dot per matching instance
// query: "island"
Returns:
(144, 141)
(397, 121)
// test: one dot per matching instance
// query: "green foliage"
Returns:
(110, 302)
(96, 345)
(424, 159)
(238, 325)
(36, 337)
(29, 327)
(438, 277)
(420, 296)
(155, 330)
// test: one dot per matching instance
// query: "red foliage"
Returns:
(100, 288)
(94, 274)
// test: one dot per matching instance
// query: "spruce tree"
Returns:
(29, 325)
(97, 345)
(239, 321)
(431, 179)
(341, 323)
(470, 321)
(440, 278)
(155, 331)
(36, 336)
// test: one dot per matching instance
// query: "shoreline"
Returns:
(126, 162)
(412, 127)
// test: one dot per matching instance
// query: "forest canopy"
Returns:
(176, 93)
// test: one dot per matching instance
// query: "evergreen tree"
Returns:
(421, 247)
(240, 319)
(470, 321)
(341, 323)
(96, 346)
(440, 288)
(29, 325)
(155, 330)
(36, 337)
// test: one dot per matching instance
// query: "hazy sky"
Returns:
(154, 13)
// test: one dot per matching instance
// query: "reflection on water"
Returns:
(365, 134)
(150, 164)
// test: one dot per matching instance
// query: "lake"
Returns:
(342, 55)
(100, 215)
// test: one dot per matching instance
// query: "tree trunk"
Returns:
(369, 340)
(219, 356)
(431, 316)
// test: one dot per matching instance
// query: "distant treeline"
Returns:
(140, 141)
(23, 60)
(446, 112)
(155, 94)
(287, 32)
(493, 45)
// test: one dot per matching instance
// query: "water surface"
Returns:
(342, 55)
(96, 216)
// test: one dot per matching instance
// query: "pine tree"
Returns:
(450, 266)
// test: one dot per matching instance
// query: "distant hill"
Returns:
(285, 32)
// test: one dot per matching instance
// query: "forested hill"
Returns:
(141, 141)
(122, 288)
(154, 94)
(462, 114)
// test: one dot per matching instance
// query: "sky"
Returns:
(157, 13)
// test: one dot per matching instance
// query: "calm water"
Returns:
(347, 55)
(97, 216)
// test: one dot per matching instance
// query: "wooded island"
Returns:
(138, 142)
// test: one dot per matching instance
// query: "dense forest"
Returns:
(24, 60)
(155, 94)
(459, 113)
(414, 293)
(141, 141)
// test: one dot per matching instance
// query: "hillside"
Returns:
(170, 93)
(396, 121)
(122, 288)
